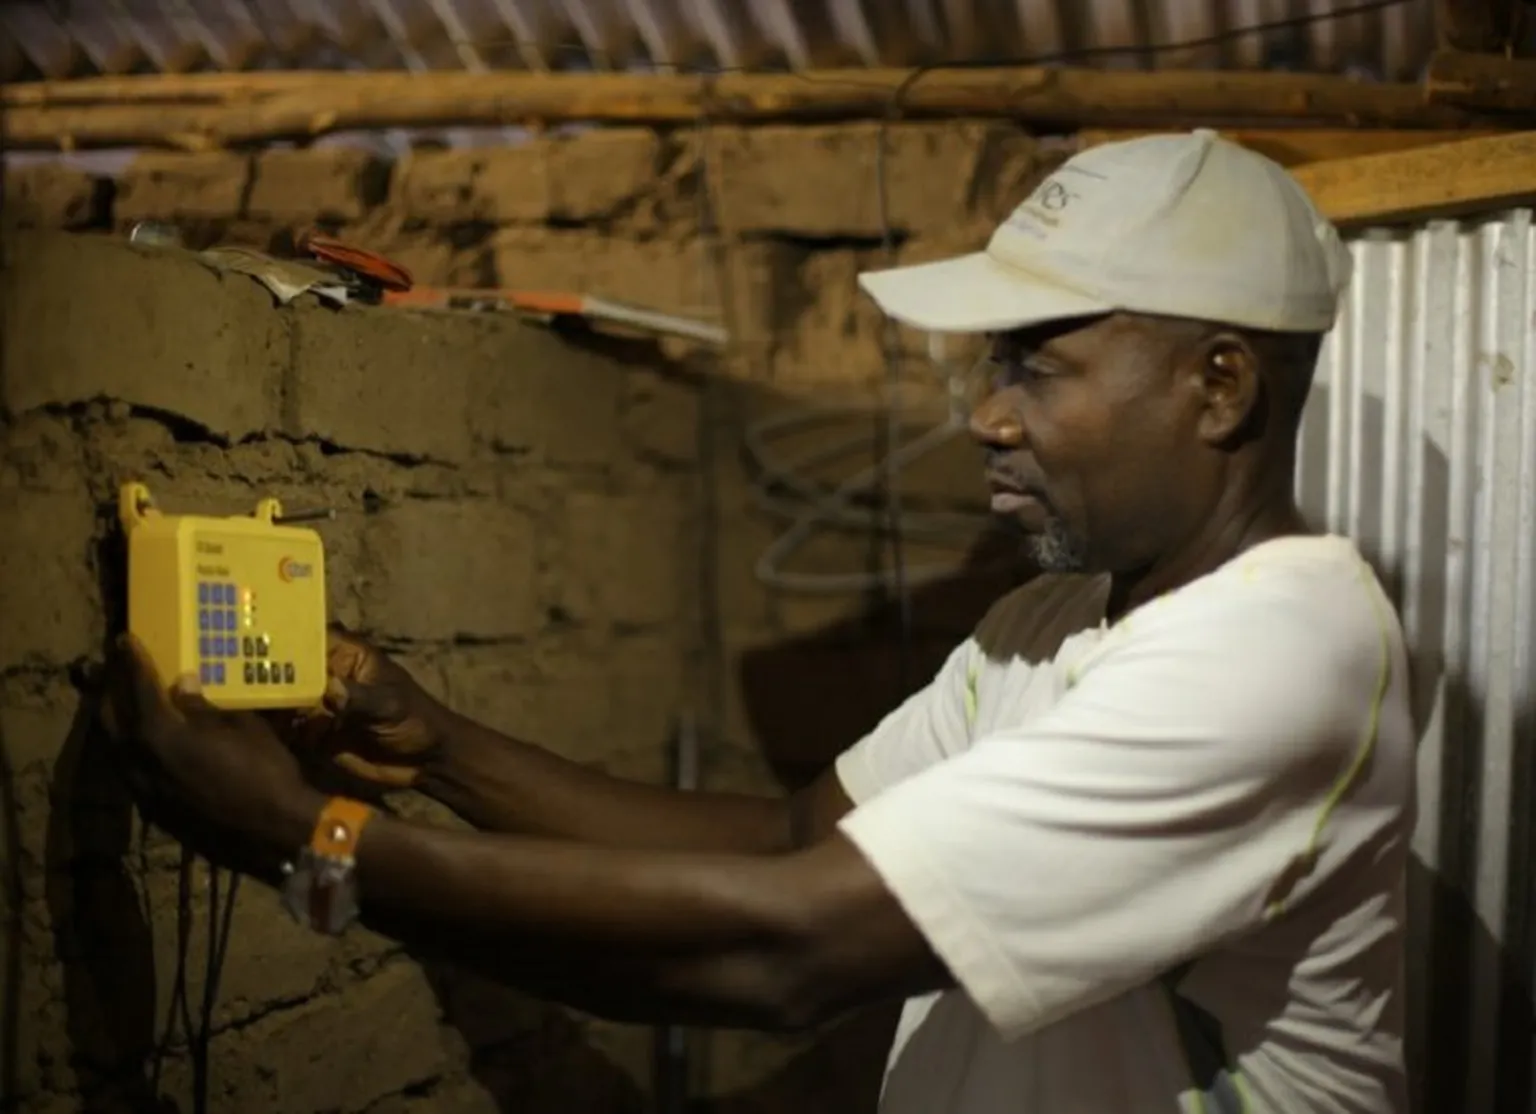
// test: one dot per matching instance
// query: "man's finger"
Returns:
(313, 728)
(389, 776)
(345, 657)
(336, 696)
(370, 703)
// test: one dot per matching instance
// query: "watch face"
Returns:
(296, 890)
(321, 893)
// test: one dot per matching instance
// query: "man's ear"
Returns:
(1232, 388)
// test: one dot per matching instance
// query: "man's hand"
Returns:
(227, 772)
(377, 722)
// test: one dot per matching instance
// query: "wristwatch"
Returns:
(320, 887)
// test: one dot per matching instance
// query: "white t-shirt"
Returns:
(1163, 859)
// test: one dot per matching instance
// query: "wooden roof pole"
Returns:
(1445, 180)
(1292, 147)
(193, 112)
(1476, 65)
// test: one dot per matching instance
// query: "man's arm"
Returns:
(761, 941)
(501, 784)
(506, 785)
(728, 938)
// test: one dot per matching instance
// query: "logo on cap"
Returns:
(1053, 196)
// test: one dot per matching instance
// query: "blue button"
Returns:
(218, 620)
(202, 647)
(204, 620)
(218, 672)
(231, 647)
(202, 593)
(230, 595)
(207, 673)
(230, 623)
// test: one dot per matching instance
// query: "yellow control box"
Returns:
(238, 602)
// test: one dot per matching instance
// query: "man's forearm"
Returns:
(503, 785)
(769, 941)
(709, 939)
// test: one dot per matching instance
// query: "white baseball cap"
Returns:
(1188, 225)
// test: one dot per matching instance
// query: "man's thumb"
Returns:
(187, 696)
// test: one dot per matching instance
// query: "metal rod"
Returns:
(672, 1059)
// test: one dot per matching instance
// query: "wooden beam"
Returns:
(1299, 146)
(206, 111)
(1482, 81)
(1479, 26)
(1450, 179)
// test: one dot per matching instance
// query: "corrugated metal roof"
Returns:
(62, 38)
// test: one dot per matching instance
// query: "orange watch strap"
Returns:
(339, 827)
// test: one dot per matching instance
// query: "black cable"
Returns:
(890, 443)
(224, 929)
(713, 260)
(179, 1000)
(202, 1039)
(219, 922)
(197, 1033)
(183, 939)
(901, 92)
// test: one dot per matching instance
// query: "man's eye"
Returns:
(999, 373)
(1012, 370)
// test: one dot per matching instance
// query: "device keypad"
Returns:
(226, 621)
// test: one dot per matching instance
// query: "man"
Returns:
(1138, 847)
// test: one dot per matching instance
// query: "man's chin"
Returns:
(1052, 549)
(1045, 542)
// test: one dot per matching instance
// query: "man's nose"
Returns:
(996, 422)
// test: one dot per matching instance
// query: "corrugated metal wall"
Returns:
(1421, 443)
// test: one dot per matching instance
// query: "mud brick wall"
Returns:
(488, 480)
(466, 456)
(793, 213)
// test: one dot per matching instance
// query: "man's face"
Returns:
(1090, 430)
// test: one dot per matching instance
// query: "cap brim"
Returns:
(973, 294)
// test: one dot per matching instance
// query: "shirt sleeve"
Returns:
(1158, 809)
(931, 725)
